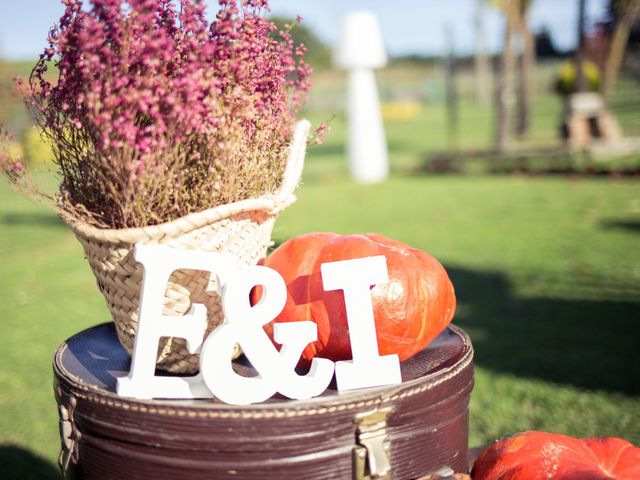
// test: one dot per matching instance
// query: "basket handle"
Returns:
(295, 161)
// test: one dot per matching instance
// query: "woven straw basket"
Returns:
(241, 228)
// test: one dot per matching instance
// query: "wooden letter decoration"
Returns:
(244, 323)
(159, 263)
(355, 278)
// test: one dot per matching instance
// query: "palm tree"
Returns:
(527, 70)
(626, 12)
(504, 92)
(482, 67)
(515, 12)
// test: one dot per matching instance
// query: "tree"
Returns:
(504, 91)
(527, 69)
(481, 59)
(515, 12)
(5, 90)
(581, 83)
(625, 13)
(545, 48)
(318, 54)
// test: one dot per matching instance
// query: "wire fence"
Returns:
(428, 107)
(415, 95)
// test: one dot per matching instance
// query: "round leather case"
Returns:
(402, 431)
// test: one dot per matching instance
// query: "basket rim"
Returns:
(270, 203)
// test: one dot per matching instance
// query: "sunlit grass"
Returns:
(546, 272)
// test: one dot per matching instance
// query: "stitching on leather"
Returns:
(103, 399)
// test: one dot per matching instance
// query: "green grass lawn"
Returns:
(547, 273)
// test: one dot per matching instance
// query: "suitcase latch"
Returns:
(372, 453)
(69, 434)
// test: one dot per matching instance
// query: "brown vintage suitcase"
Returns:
(402, 432)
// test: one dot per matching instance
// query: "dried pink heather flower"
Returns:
(17, 167)
(13, 169)
(151, 98)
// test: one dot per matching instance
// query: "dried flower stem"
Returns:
(157, 113)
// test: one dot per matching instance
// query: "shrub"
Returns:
(567, 77)
(36, 150)
(157, 112)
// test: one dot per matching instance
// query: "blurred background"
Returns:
(513, 129)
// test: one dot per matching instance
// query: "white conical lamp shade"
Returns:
(360, 51)
(361, 44)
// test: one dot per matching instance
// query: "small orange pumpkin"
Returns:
(410, 310)
(549, 456)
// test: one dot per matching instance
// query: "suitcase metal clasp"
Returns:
(372, 453)
(69, 435)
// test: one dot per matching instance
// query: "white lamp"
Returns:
(360, 51)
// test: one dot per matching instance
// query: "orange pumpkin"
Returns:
(544, 456)
(410, 310)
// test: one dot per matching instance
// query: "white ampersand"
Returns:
(244, 325)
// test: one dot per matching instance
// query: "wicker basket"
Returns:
(242, 228)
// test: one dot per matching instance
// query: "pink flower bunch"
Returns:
(150, 91)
